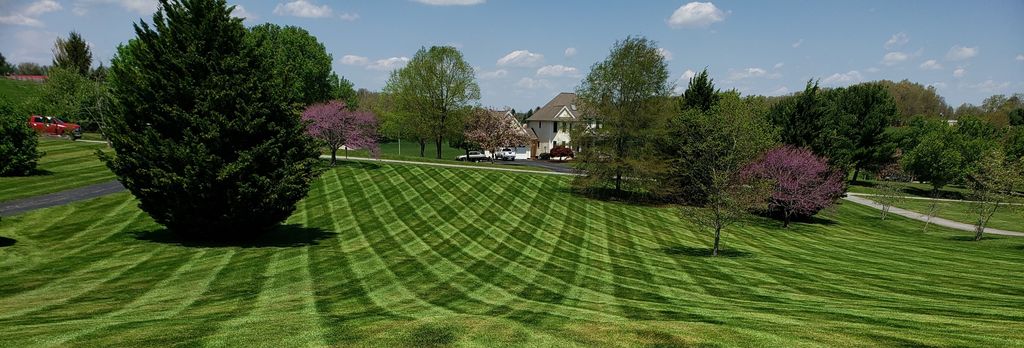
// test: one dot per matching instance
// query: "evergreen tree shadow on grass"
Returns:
(610, 195)
(680, 250)
(280, 236)
(6, 242)
(34, 172)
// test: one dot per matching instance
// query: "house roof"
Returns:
(550, 111)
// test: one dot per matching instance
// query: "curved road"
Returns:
(859, 199)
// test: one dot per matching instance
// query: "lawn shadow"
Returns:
(33, 172)
(432, 335)
(280, 236)
(971, 238)
(6, 242)
(357, 164)
(679, 250)
(611, 196)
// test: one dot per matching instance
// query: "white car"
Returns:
(506, 154)
(474, 156)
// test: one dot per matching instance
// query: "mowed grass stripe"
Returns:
(412, 255)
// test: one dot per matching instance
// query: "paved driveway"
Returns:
(559, 167)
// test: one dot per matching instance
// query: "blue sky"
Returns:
(527, 51)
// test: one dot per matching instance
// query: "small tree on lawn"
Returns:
(18, 154)
(336, 126)
(803, 183)
(889, 191)
(992, 185)
(730, 198)
(492, 130)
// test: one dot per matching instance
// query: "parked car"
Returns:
(474, 156)
(55, 126)
(506, 154)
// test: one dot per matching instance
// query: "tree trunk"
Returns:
(423, 148)
(439, 141)
(856, 172)
(979, 230)
(718, 234)
(785, 219)
(618, 182)
(334, 155)
(346, 151)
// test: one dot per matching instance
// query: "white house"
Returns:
(522, 150)
(553, 122)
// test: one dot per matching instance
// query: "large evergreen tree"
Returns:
(205, 136)
(700, 94)
(73, 54)
(5, 67)
(626, 101)
(871, 109)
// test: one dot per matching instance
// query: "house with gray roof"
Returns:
(553, 122)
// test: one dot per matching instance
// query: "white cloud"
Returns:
(893, 58)
(27, 16)
(780, 91)
(665, 53)
(521, 58)
(529, 83)
(961, 53)
(570, 52)
(388, 64)
(1020, 58)
(696, 15)
(779, 65)
(931, 64)
(303, 8)
(688, 74)
(349, 17)
(450, 2)
(989, 86)
(350, 59)
(959, 72)
(798, 43)
(558, 71)
(144, 7)
(752, 73)
(31, 46)
(240, 12)
(490, 75)
(840, 79)
(897, 40)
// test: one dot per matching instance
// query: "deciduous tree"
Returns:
(803, 182)
(730, 198)
(492, 130)
(205, 137)
(626, 101)
(18, 154)
(433, 94)
(300, 62)
(336, 125)
(992, 184)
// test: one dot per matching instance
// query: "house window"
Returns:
(556, 126)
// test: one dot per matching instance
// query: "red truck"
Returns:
(55, 126)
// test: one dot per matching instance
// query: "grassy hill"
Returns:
(18, 90)
(66, 165)
(399, 255)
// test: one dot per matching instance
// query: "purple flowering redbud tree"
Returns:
(803, 182)
(335, 125)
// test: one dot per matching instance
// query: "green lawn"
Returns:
(911, 189)
(402, 255)
(1006, 218)
(18, 90)
(66, 165)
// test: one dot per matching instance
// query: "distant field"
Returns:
(408, 255)
(18, 90)
(66, 165)
(1006, 218)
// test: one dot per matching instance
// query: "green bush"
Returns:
(204, 135)
(18, 154)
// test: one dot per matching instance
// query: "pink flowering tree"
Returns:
(803, 182)
(492, 130)
(335, 125)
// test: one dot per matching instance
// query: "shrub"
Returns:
(803, 183)
(561, 152)
(544, 156)
(18, 154)
(205, 137)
